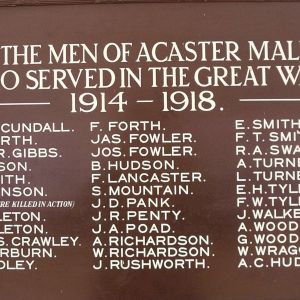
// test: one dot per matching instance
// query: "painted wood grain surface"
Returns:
(65, 2)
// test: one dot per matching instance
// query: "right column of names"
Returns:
(267, 192)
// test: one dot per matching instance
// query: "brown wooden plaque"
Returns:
(149, 151)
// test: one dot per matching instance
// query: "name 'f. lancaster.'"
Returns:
(175, 177)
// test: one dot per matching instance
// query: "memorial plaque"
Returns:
(150, 151)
